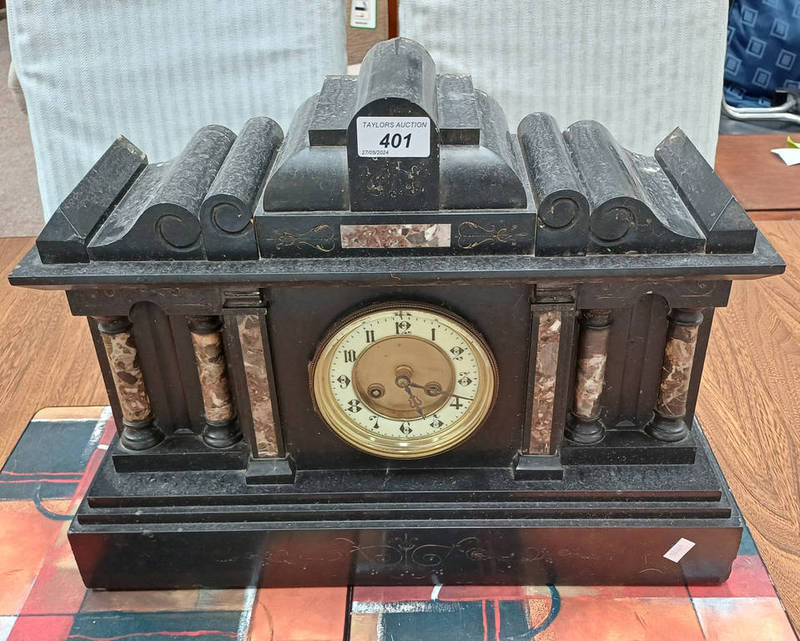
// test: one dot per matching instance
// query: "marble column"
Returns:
(669, 419)
(584, 426)
(221, 429)
(139, 431)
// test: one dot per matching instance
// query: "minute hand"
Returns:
(465, 398)
(443, 392)
(415, 402)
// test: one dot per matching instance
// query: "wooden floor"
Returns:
(749, 405)
(750, 408)
(46, 355)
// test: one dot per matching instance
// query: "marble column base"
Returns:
(584, 431)
(222, 434)
(141, 435)
(667, 429)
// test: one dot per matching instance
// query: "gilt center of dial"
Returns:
(403, 377)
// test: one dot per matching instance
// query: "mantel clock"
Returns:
(402, 344)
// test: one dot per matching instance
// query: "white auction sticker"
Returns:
(386, 136)
(679, 550)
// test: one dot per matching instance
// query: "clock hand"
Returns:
(434, 389)
(415, 402)
(451, 395)
(403, 379)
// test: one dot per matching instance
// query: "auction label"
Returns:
(406, 137)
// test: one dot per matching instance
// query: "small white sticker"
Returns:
(789, 155)
(386, 136)
(679, 550)
(364, 14)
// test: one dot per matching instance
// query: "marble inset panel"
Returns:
(256, 374)
(396, 236)
(544, 382)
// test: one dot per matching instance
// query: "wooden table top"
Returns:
(761, 182)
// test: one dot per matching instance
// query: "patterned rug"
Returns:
(42, 597)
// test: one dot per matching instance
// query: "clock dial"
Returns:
(404, 381)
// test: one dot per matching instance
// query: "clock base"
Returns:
(599, 524)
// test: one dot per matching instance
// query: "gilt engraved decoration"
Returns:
(472, 235)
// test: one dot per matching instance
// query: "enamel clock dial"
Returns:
(404, 380)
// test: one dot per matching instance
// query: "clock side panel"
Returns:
(301, 316)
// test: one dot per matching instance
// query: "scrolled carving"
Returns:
(407, 556)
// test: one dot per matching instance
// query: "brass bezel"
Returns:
(412, 448)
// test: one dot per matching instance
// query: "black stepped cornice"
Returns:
(473, 163)
(725, 223)
(159, 217)
(85, 209)
(196, 206)
(474, 189)
(593, 196)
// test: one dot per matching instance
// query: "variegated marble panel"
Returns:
(544, 382)
(395, 236)
(256, 373)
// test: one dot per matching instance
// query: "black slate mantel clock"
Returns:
(402, 345)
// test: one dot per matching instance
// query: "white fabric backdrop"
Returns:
(640, 67)
(157, 70)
